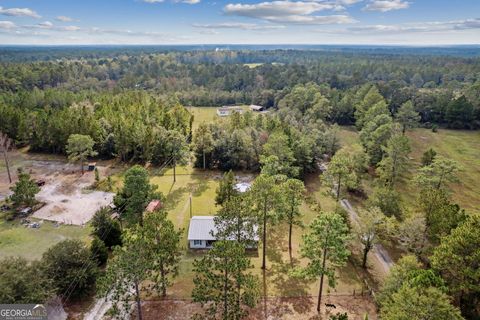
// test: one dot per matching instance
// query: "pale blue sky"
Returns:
(413, 22)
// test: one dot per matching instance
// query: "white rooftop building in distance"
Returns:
(201, 232)
(225, 111)
(256, 108)
(243, 186)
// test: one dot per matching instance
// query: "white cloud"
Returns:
(298, 12)
(177, 1)
(467, 24)
(435, 26)
(45, 25)
(64, 19)
(126, 32)
(208, 32)
(277, 8)
(238, 25)
(386, 5)
(7, 25)
(70, 28)
(19, 12)
(348, 2)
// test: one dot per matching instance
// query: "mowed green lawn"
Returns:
(18, 240)
(201, 187)
(207, 115)
(203, 114)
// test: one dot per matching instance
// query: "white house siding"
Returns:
(202, 228)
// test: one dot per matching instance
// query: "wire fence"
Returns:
(354, 293)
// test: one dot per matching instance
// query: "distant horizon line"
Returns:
(242, 44)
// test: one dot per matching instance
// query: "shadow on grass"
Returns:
(313, 182)
(276, 242)
(285, 284)
(199, 186)
(174, 197)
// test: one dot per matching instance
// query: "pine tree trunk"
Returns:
(239, 296)
(338, 187)
(140, 219)
(225, 286)
(290, 237)
(7, 164)
(264, 240)
(204, 164)
(365, 253)
(321, 280)
(139, 304)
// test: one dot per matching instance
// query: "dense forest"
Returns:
(100, 93)
(444, 89)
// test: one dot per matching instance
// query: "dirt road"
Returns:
(379, 253)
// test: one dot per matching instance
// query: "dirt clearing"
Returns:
(67, 198)
(66, 192)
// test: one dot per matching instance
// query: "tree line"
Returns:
(443, 89)
(132, 126)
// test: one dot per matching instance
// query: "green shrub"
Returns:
(99, 251)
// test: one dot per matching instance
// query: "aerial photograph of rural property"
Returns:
(240, 159)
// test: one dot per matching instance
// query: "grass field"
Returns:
(207, 115)
(253, 65)
(201, 187)
(17, 240)
(203, 114)
(461, 146)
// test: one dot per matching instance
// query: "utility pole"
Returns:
(174, 173)
(190, 205)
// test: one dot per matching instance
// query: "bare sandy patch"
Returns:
(67, 199)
